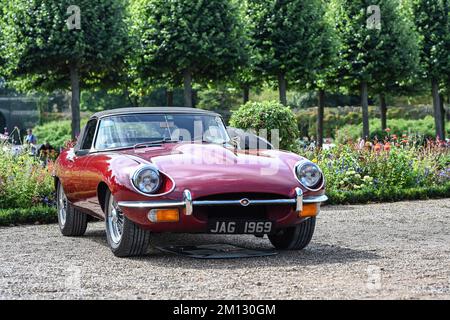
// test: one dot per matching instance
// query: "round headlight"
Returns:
(309, 174)
(147, 180)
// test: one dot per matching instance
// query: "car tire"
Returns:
(294, 238)
(125, 238)
(72, 222)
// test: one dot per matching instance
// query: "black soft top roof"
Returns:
(163, 110)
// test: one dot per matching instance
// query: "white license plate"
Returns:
(240, 227)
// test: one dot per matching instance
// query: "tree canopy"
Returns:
(42, 52)
(180, 40)
(287, 35)
(377, 54)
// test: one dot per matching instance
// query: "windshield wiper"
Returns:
(153, 143)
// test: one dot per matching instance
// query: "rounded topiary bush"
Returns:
(268, 115)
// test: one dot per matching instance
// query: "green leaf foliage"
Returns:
(385, 56)
(290, 37)
(268, 116)
(432, 21)
(39, 47)
(204, 37)
(57, 133)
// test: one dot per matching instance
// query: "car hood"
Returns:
(211, 169)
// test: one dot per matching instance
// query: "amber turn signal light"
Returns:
(309, 210)
(164, 215)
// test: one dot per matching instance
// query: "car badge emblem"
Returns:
(245, 202)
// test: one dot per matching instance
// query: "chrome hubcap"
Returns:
(62, 206)
(115, 221)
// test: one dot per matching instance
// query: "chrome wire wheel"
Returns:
(62, 206)
(115, 221)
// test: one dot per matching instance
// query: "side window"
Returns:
(88, 138)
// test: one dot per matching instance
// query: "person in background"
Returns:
(31, 140)
(46, 152)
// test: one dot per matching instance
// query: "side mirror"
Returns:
(80, 153)
(236, 142)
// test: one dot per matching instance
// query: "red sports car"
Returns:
(146, 170)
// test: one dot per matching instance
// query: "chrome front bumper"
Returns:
(189, 204)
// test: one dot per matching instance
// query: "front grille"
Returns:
(237, 212)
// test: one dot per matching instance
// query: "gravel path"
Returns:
(386, 251)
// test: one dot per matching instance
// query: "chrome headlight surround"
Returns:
(304, 166)
(146, 180)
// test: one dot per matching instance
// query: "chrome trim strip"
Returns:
(315, 199)
(238, 202)
(189, 204)
(151, 204)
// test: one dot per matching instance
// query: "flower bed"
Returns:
(26, 189)
(397, 168)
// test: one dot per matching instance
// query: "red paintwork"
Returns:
(204, 169)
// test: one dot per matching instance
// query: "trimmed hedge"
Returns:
(423, 128)
(387, 195)
(57, 133)
(335, 119)
(41, 214)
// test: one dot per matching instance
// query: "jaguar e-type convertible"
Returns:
(153, 170)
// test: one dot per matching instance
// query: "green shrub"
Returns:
(336, 118)
(57, 133)
(23, 181)
(41, 214)
(268, 115)
(421, 129)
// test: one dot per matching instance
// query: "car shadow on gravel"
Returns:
(316, 253)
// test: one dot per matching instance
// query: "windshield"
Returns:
(129, 130)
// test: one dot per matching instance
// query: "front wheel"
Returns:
(125, 238)
(294, 238)
(72, 222)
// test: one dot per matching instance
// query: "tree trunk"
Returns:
(383, 111)
(437, 109)
(443, 116)
(365, 110)
(75, 104)
(282, 88)
(246, 94)
(133, 103)
(320, 114)
(169, 97)
(187, 88)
